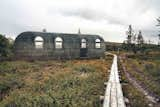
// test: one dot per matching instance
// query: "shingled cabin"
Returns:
(44, 45)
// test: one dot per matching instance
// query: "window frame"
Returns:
(83, 43)
(97, 43)
(39, 39)
(56, 45)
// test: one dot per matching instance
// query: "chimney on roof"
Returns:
(79, 32)
(44, 30)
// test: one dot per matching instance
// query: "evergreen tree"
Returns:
(159, 34)
(134, 39)
(159, 39)
(140, 39)
(129, 34)
(131, 37)
(4, 46)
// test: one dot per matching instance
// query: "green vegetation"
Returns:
(145, 69)
(85, 68)
(136, 98)
(77, 83)
(5, 47)
(134, 48)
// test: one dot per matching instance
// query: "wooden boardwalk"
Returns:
(113, 93)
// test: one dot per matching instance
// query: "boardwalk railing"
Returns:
(113, 93)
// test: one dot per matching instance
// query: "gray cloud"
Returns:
(21, 15)
(93, 15)
(85, 13)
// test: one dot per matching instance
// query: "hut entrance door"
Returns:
(83, 52)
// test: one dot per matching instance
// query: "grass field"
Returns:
(75, 83)
(146, 70)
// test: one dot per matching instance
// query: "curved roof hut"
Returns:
(42, 45)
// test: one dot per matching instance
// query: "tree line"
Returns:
(136, 43)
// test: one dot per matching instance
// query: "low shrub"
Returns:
(85, 68)
(53, 84)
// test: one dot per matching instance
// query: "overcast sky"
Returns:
(108, 18)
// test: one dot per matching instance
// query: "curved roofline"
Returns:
(24, 34)
(59, 33)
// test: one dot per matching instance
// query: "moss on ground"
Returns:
(76, 83)
(145, 69)
(135, 97)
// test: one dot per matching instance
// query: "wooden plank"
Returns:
(113, 94)
(113, 98)
(121, 102)
(107, 96)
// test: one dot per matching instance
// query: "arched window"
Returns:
(58, 43)
(38, 42)
(97, 43)
(83, 43)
